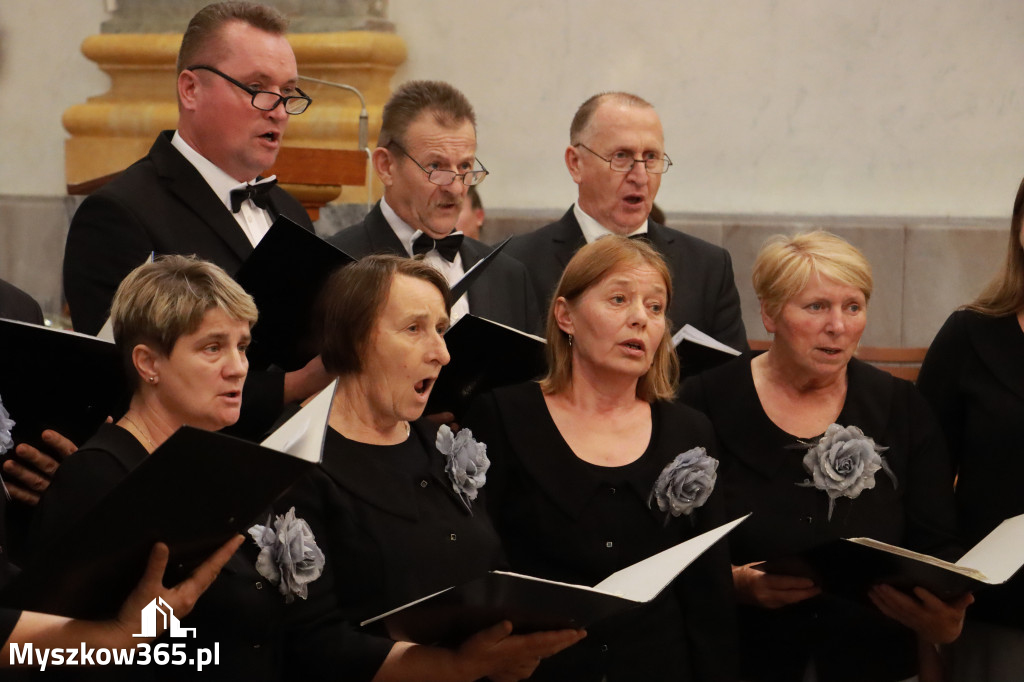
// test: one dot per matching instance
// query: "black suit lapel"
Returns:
(380, 235)
(185, 182)
(568, 239)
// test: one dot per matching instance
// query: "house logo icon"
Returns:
(159, 609)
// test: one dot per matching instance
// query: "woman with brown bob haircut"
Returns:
(576, 486)
(395, 507)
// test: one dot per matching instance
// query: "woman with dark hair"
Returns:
(821, 446)
(577, 487)
(395, 507)
(973, 376)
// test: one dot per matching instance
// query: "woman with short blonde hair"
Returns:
(780, 417)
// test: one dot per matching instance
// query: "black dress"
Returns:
(392, 530)
(760, 470)
(241, 612)
(973, 376)
(564, 519)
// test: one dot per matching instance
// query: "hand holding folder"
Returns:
(535, 604)
(91, 568)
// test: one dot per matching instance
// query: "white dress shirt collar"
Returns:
(593, 230)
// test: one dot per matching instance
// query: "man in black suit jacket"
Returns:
(236, 90)
(425, 158)
(617, 156)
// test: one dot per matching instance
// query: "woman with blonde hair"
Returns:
(973, 376)
(583, 465)
(780, 418)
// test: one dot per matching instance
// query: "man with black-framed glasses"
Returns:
(616, 156)
(426, 160)
(199, 189)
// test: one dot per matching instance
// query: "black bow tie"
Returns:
(257, 192)
(448, 246)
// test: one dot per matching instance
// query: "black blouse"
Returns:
(392, 529)
(973, 376)
(568, 520)
(241, 612)
(761, 467)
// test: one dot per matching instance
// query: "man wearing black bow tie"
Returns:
(426, 160)
(199, 190)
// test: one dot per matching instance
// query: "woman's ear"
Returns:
(147, 363)
(563, 316)
(766, 319)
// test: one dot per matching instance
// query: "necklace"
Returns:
(139, 430)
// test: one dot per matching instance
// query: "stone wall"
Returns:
(923, 267)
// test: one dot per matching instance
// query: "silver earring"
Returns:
(152, 379)
(570, 340)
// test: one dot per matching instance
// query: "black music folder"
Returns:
(60, 380)
(194, 492)
(466, 281)
(284, 274)
(699, 351)
(534, 604)
(850, 566)
(484, 355)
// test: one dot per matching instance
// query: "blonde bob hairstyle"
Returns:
(159, 302)
(785, 264)
(590, 265)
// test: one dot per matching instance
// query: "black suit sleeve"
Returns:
(728, 318)
(105, 242)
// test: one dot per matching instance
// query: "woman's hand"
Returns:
(769, 590)
(498, 654)
(934, 620)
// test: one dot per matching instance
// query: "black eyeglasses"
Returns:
(623, 162)
(264, 100)
(447, 177)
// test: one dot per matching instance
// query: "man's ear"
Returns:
(384, 165)
(572, 162)
(188, 89)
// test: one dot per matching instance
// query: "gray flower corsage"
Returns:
(6, 424)
(843, 463)
(467, 462)
(685, 483)
(289, 557)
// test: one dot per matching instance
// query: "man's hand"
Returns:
(28, 473)
(302, 383)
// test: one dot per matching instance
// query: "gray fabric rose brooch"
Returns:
(289, 557)
(843, 463)
(467, 462)
(685, 483)
(6, 425)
